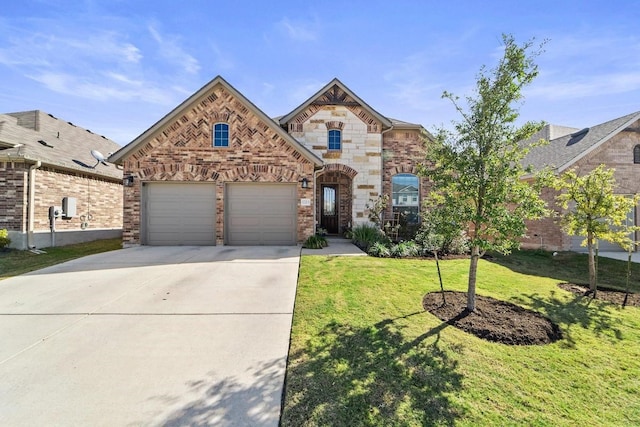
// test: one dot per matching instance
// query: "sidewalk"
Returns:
(338, 246)
(623, 256)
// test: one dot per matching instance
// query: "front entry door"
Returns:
(329, 214)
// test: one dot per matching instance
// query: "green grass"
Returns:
(14, 262)
(364, 353)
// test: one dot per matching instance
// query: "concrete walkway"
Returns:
(149, 336)
(338, 246)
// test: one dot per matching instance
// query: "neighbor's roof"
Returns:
(33, 136)
(174, 114)
(386, 122)
(562, 152)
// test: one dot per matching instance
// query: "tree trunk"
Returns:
(444, 301)
(592, 264)
(473, 269)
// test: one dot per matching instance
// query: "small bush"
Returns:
(380, 250)
(315, 242)
(365, 235)
(405, 249)
(4, 238)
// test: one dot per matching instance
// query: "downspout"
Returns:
(32, 202)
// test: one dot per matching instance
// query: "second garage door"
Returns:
(180, 213)
(260, 214)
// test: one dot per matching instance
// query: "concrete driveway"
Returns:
(149, 336)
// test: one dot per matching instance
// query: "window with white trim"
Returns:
(221, 135)
(334, 142)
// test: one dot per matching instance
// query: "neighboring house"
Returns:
(217, 170)
(615, 144)
(44, 162)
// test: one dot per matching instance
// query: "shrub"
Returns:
(4, 238)
(405, 249)
(365, 235)
(315, 242)
(380, 250)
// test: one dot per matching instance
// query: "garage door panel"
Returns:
(261, 214)
(180, 213)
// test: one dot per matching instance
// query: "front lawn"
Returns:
(14, 262)
(364, 352)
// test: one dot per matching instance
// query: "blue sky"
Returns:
(116, 67)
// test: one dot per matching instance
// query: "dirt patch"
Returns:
(493, 320)
(616, 297)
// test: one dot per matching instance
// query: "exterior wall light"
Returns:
(304, 183)
(127, 181)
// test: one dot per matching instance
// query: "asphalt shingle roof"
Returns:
(64, 144)
(562, 152)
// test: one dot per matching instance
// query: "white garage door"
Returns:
(260, 214)
(180, 213)
(603, 245)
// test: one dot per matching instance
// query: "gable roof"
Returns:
(562, 152)
(386, 123)
(33, 136)
(174, 114)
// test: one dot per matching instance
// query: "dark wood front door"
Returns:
(329, 214)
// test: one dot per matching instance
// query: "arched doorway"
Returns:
(334, 193)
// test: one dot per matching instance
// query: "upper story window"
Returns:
(636, 154)
(221, 135)
(335, 140)
(405, 190)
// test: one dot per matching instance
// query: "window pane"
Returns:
(334, 142)
(405, 196)
(221, 135)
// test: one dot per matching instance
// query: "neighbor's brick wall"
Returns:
(13, 196)
(546, 233)
(98, 201)
(402, 152)
(182, 151)
(616, 153)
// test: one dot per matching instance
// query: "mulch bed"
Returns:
(493, 320)
(609, 295)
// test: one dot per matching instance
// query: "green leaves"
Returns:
(593, 208)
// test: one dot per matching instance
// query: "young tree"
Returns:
(592, 210)
(476, 169)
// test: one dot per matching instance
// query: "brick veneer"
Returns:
(13, 203)
(182, 151)
(616, 153)
(99, 201)
(402, 152)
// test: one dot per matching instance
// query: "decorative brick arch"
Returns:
(412, 169)
(339, 167)
(178, 172)
(259, 173)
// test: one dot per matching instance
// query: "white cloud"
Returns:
(300, 30)
(171, 50)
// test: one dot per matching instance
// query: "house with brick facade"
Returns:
(53, 191)
(615, 144)
(218, 170)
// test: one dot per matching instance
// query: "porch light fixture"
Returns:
(304, 183)
(127, 181)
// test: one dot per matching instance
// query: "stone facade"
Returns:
(182, 150)
(361, 150)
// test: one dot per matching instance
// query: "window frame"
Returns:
(224, 142)
(407, 201)
(636, 154)
(330, 140)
